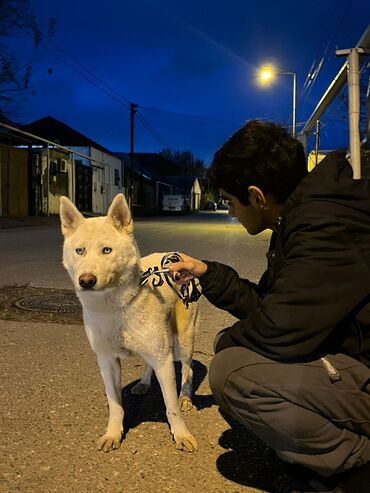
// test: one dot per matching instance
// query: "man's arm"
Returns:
(221, 284)
(322, 283)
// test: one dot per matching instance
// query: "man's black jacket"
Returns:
(314, 298)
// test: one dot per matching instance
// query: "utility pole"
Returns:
(317, 141)
(294, 104)
(353, 77)
(133, 108)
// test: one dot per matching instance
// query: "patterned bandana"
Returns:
(188, 293)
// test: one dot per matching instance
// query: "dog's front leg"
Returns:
(165, 372)
(110, 369)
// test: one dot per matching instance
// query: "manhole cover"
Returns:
(52, 303)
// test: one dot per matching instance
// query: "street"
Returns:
(53, 405)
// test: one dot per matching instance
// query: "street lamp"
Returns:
(267, 74)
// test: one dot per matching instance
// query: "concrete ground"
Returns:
(53, 406)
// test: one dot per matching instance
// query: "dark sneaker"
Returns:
(356, 480)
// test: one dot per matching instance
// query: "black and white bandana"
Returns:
(188, 293)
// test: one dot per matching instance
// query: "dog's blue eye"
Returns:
(80, 251)
(107, 250)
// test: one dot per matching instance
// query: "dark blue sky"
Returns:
(195, 58)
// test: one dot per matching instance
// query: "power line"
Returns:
(139, 116)
(316, 67)
(184, 115)
(89, 71)
(91, 75)
(150, 129)
(118, 94)
(90, 80)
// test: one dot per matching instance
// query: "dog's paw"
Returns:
(140, 389)
(108, 442)
(185, 441)
(185, 403)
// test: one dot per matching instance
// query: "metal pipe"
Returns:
(317, 142)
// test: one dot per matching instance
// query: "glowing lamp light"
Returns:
(266, 74)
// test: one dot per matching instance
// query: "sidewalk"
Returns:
(27, 221)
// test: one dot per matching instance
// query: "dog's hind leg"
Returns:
(143, 386)
(110, 369)
(185, 322)
(165, 372)
(185, 398)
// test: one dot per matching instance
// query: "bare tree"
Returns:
(184, 163)
(16, 21)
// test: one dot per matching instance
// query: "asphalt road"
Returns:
(53, 406)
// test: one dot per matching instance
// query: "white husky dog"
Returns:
(122, 314)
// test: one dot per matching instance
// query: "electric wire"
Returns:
(323, 59)
(88, 71)
(150, 129)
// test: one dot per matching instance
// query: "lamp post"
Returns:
(267, 74)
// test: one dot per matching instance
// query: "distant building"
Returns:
(153, 177)
(90, 181)
(142, 182)
(314, 158)
(189, 187)
(47, 158)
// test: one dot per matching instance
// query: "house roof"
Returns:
(56, 131)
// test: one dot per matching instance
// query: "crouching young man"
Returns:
(294, 368)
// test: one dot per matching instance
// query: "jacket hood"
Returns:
(330, 191)
(331, 181)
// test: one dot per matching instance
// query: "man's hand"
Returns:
(185, 271)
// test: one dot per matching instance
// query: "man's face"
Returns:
(251, 216)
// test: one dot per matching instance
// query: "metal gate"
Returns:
(13, 181)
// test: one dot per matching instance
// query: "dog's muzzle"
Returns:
(87, 281)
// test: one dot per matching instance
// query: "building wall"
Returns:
(107, 180)
(196, 194)
(311, 160)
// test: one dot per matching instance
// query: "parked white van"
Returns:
(173, 203)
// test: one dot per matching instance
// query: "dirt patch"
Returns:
(24, 303)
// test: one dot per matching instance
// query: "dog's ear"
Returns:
(119, 214)
(70, 216)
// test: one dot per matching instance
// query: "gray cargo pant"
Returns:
(296, 408)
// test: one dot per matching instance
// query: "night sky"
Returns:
(190, 66)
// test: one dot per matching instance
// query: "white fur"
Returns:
(121, 316)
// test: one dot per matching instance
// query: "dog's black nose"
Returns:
(87, 281)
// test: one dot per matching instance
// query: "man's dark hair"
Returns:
(261, 154)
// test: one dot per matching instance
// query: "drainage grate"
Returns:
(51, 303)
